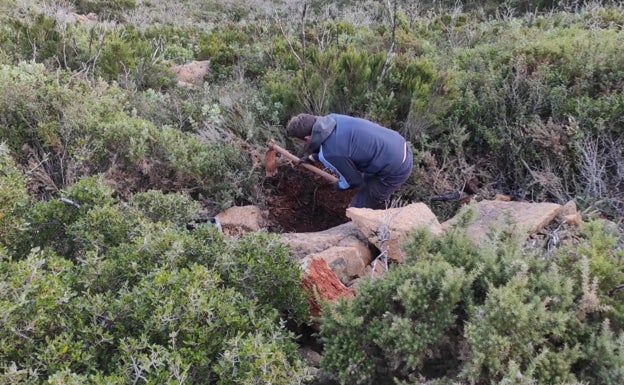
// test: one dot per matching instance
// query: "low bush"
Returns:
(112, 292)
(458, 313)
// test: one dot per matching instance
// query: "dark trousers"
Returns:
(376, 191)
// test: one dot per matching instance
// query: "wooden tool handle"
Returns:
(329, 177)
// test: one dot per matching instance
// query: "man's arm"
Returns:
(350, 176)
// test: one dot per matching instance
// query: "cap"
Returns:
(300, 126)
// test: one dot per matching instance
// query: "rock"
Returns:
(192, 74)
(347, 263)
(388, 229)
(321, 284)
(310, 356)
(239, 219)
(568, 209)
(502, 197)
(520, 217)
(304, 244)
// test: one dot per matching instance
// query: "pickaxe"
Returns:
(270, 162)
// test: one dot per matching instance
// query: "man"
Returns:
(364, 154)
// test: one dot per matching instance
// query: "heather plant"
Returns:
(604, 359)
(13, 196)
(492, 344)
(518, 315)
(143, 297)
(598, 256)
(395, 325)
(168, 208)
(48, 222)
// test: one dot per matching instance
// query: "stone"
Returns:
(304, 244)
(321, 284)
(238, 219)
(191, 74)
(522, 218)
(347, 262)
(388, 229)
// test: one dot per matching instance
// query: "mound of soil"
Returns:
(300, 201)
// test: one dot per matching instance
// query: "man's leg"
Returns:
(376, 191)
(373, 194)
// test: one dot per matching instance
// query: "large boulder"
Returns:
(521, 218)
(388, 229)
(304, 244)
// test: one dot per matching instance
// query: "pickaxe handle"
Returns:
(329, 177)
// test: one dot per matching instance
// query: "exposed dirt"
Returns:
(300, 201)
(296, 199)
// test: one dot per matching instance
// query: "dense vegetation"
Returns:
(105, 158)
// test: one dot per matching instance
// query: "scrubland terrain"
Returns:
(105, 158)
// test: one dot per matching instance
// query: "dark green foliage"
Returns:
(393, 325)
(38, 41)
(143, 297)
(100, 281)
(49, 222)
(518, 317)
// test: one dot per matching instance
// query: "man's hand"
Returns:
(337, 187)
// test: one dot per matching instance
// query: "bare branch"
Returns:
(392, 11)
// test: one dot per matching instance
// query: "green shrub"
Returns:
(218, 169)
(393, 325)
(38, 103)
(516, 325)
(224, 48)
(37, 41)
(260, 267)
(604, 357)
(498, 313)
(257, 358)
(13, 196)
(36, 295)
(192, 314)
(49, 222)
(168, 208)
(597, 252)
